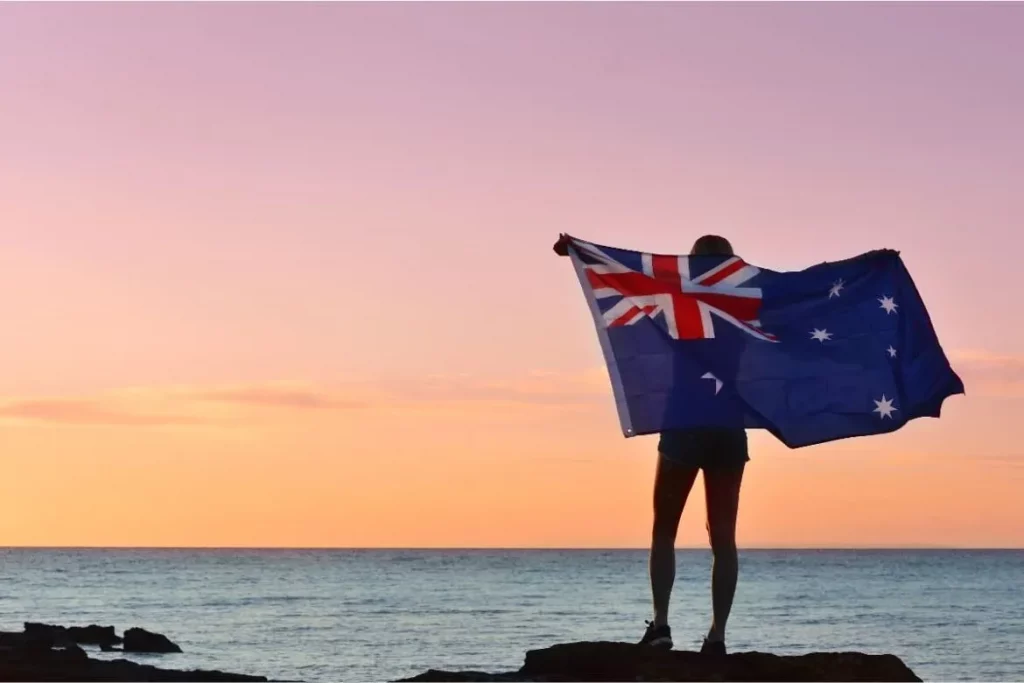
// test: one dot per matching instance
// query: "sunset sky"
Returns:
(281, 275)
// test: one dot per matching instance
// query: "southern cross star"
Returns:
(884, 408)
(888, 304)
(821, 335)
(892, 351)
(718, 382)
(836, 287)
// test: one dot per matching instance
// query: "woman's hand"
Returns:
(562, 245)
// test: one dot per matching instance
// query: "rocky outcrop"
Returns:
(105, 637)
(79, 635)
(603, 661)
(141, 640)
(47, 654)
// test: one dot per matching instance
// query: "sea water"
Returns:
(351, 615)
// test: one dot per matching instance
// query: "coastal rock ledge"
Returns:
(605, 661)
(53, 653)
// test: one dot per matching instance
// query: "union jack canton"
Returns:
(684, 293)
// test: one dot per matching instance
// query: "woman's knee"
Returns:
(665, 527)
(722, 541)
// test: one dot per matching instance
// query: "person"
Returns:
(722, 455)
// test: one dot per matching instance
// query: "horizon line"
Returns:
(498, 548)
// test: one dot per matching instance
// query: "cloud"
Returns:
(280, 397)
(982, 358)
(1011, 459)
(990, 374)
(88, 412)
(540, 392)
(537, 388)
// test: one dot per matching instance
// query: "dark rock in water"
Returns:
(603, 661)
(141, 640)
(81, 635)
(94, 635)
(110, 648)
(9, 639)
(36, 640)
(26, 661)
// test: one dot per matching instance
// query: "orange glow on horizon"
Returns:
(297, 466)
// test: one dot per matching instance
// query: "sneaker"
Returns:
(713, 648)
(657, 636)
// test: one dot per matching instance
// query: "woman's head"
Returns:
(711, 245)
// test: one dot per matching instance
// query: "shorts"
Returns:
(705, 447)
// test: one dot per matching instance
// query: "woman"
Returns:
(722, 454)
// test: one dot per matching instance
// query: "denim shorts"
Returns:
(705, 447)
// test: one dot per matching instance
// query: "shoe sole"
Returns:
(663, 642)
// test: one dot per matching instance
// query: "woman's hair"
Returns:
(711, 245)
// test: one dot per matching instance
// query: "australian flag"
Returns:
(837, 350)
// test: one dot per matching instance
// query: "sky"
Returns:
(281, 275)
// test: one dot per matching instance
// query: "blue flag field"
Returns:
(833, 351)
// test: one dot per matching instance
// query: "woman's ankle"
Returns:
(714, 636)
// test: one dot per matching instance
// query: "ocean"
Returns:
(357, 615)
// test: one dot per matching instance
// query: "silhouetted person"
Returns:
(722, 454)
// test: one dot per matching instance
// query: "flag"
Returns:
(833, 351)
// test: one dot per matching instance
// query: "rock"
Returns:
(110, 648)
(605, 661)
(81, 635)
(94, 635)
(8, 639)
(141, 640)
(26, 661)
(436, 676)
(38, 640)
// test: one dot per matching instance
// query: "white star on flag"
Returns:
(836, 286)
(821, 335)
(884, 408)
(718, 382)
(888, 304)
(892, 351)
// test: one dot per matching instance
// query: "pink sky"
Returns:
(281, 274)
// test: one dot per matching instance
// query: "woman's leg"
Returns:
(722, 491)
(672, 485)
